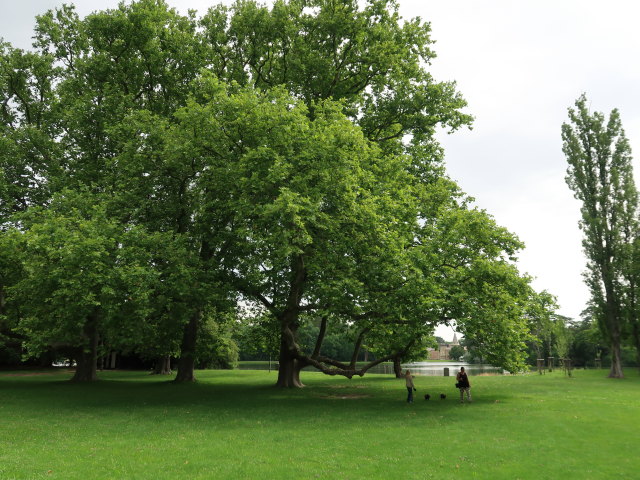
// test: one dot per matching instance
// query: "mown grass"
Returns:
(235, 424)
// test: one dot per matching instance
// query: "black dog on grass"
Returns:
(427, 396)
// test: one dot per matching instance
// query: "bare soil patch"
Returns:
(346, 396)
(347, 386)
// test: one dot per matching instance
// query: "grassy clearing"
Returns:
(234, 424)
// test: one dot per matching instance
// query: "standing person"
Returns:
(410, 386)
(463, 384)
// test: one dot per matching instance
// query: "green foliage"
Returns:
(216, 348)
(29, 156)
(258, 338)
(10, 354)
(456, 352)
(338, 342)
(79, 264)
(541, 313)
(467, 274)
(363, 55)
(587, 343)
(564, 339)
(276, 157)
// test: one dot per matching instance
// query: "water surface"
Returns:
(435, 369)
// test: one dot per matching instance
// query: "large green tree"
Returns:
(287, 202)
(285, 156)
(326, 222)
(376, 65)
(84, 277)
(141, 58)
(601, 177)
(364, 57)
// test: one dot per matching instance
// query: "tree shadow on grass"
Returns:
(222, 396)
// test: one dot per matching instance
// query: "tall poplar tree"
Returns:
(600, 175)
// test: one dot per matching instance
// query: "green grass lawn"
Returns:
(235, 424)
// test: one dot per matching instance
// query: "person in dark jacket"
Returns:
(463, 384)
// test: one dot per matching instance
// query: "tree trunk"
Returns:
(612, 312)
(633, 317)
(162, 366)
(289, 369)
(613, 331)
(186, 364)
(3, 300)
(616, 358)
(636, 342)
(46, 360)
(397, 368)
(635, 337)
(87, 361)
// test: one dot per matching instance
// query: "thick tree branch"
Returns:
(246, 289)
(356, 347)
(320, 339)
(299, 275)
(339, 368)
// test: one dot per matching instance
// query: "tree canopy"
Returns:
(159, 172)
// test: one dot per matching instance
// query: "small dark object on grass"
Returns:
(427, 396)
(442, 396)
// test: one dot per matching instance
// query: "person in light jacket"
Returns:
(410, 387)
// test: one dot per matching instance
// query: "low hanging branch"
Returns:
(330, 366)
(340, 368)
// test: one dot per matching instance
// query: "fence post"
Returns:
(567, 366)
(541, 366)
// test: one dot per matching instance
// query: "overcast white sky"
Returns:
(520, 65)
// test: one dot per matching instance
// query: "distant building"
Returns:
(442, 352)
